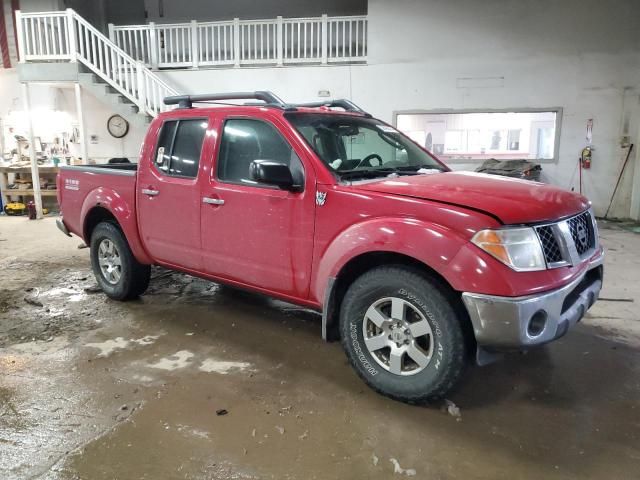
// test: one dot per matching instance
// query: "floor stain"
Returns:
(211, 365)
(176, 361)
(78, 399)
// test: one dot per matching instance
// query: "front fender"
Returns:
(123, 212)
(432, 244)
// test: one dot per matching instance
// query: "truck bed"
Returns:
(84, 186)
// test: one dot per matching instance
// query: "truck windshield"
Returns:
(356, 147)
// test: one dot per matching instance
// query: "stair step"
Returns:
(87, 76)
(118, 102)
(122, 99)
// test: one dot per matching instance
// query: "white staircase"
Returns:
(65, 37)
(112, 98)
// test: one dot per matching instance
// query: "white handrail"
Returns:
(239, 42)
(68, 36)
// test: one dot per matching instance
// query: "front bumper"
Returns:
(512, 322)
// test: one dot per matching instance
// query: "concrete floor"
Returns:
(95, 389)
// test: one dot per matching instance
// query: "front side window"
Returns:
(245, 140)
(179, 147)
(354, 147)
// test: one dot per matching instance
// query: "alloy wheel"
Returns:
(398, 336)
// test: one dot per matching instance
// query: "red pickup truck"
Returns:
(415, 268)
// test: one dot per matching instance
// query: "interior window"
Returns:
(244, 141)
(479, 136)
(179, 147)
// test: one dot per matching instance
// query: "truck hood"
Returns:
(510, 200)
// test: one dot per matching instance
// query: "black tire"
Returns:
(133, 276)
(420, 295)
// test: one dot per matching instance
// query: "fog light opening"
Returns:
(537, 323)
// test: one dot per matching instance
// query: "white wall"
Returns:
(581, 55)
(9, 91)
(95, 118)
(43, 99)
(49, 97)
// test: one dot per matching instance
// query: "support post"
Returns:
(20, 35)
(236, 42)
(142, 100)
(325, 38)
(634, 212)
(280, 39)
(195, 53)
(71, 36)
(153, 45)
(1, 140)
(35, 173)
(81, 127)
(112, 33)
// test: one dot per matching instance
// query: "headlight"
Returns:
(519, 248)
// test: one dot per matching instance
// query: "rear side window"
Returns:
(179, 147)
(244, 141)
(163, 152)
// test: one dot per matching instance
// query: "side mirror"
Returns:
(272, 173)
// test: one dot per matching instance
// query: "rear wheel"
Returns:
(402, 335)
(116, 270)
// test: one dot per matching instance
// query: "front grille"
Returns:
(581, 228)
(558, 239)
(550, 247)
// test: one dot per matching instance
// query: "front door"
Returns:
(169, 195)
(256, 234)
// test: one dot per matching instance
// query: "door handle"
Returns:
(212, 201)
(150, 192)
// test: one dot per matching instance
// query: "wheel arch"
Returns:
(360, 264)
(96, 215)
(106, 205)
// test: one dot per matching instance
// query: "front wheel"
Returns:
(116, 270)
(402, 335)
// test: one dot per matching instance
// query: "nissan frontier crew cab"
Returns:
(415, 268)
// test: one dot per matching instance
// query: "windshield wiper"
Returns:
(415, 168)
(366, 172)
(381, 172)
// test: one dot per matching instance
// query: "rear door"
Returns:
(256, 234)
(169, 195)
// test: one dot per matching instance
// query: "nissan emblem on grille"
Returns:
(581, 229)
(583, 236)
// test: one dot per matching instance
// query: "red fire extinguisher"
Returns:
(31, 209)
(585, 158)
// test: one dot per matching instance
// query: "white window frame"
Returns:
(558, 127)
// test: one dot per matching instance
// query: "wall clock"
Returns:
(117, 126)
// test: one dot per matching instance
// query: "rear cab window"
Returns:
(179, 147)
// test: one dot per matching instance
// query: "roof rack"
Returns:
(187, 101)
(269, 98)
(343, 103)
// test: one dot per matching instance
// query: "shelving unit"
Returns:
(24, 173)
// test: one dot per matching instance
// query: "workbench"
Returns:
(25, 194)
